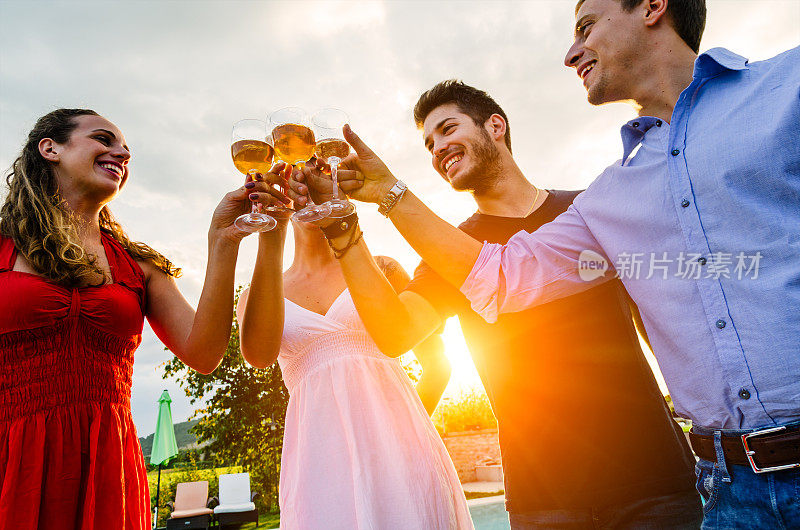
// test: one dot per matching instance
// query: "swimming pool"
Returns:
(489, 513)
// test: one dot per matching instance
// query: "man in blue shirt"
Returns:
(699, 219)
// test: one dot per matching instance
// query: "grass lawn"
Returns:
(269, 520)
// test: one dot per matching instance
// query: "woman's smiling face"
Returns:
(93, 162)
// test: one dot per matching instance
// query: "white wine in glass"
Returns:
(294, 144)
(252, 153)
(331, 148)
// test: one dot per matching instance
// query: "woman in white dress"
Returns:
(359, 449)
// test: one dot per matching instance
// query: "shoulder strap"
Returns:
(7, 253)
(124, 268)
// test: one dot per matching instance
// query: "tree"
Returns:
(244, 414)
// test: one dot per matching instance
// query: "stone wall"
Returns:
(468, 449)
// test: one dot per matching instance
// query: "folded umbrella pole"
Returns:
(164, 445)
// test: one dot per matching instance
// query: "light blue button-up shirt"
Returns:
(700, 219)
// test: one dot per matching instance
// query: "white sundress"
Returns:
(359, 450)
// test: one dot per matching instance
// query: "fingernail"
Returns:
(253, 196)
(250, 185)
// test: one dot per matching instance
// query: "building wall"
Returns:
(468, 449)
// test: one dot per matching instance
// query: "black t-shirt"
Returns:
(582, 421)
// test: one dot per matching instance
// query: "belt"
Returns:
(765, 450)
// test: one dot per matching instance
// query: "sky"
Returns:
(174, 75)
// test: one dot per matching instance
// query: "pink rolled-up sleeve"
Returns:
(532, 268)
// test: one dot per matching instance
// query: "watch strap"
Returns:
(392, 198)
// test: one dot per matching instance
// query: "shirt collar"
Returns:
(633, 132)
(715, 61)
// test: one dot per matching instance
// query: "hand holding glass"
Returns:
(294, 144)
(252, 152)
(331, 148)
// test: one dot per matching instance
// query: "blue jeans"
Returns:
(736, 497)
(675, 511)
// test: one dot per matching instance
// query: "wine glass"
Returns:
(331, 148)
(294, 144)
(252, 152)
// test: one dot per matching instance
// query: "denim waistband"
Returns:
(706, 431)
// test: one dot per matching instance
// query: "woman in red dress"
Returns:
(74, 291)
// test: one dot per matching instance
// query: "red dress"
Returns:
(69, 454)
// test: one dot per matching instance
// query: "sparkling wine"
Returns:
(329, 147)
(293, 143)
(252, 154)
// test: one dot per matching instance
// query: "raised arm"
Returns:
(430, 352)
(397, 323)
(435, 371)
(530, 269)
(260, 308)
(199, 338)
(448, 250)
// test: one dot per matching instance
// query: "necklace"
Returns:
(533, 205)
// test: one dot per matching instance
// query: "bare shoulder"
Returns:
(152, 272)
(393, 271)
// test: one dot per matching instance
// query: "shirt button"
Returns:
(658, 123)
(744, 393)
(635, 124)
(685, 203)
(702, 261)
(676, 152)
(720, 323)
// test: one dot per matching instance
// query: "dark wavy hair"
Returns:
(42, 226)
(475, 103)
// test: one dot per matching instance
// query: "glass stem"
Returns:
(334, 162)
(255, 207)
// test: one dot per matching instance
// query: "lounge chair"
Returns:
(235, 500)
(191, 507)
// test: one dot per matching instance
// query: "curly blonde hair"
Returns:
(40, 223)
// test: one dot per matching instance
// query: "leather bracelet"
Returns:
(355, 237)
(341, 226)
(392, 198)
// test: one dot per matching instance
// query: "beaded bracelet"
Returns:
(355, 237)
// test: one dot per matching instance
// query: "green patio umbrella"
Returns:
(164, 445)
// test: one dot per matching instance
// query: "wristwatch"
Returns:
(391, 198)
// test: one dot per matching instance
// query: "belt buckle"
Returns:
(750, 453)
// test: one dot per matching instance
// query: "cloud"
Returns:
(175, 76)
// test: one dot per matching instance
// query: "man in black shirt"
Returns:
(585, 434)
